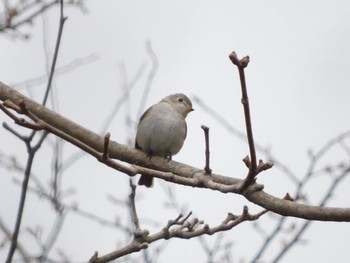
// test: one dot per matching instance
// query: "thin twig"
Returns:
(105, 147)
(297, 195)
(218, 117)
(241, 65)
(181, 227)
(207, 152)
(57, 47)
(8, 235)
(306, 224)
(31, 154)
(133, 212)
(150, 78)
(28, 19)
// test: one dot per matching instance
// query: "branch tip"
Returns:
(241, 63)
(233, 57)
(288, 197)
(205, 128)
(94, 257)
(244, 61)
(246, 161)
(105, 146)
(245, 210)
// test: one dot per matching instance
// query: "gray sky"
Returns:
(298, 88)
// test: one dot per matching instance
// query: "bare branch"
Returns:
(241, 64)
(105, 147)
(343, 170)
(132, 205)
(228, 126)
(31, 153)
(57, 47)
(180, 227)
(21, 14)
(168, 170)
(207, 151)
(24, 254)
(150, 78)
(22, 109)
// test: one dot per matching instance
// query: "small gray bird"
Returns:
(162, 129)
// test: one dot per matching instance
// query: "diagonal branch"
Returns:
(170, 170)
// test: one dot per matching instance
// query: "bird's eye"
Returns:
(181, 99)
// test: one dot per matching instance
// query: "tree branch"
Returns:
(57, 47)
(181, 227)
(173, 171)
(207, 151)
(250, 162)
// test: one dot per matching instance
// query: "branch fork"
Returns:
(250, 162)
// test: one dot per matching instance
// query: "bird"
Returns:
(162, 129)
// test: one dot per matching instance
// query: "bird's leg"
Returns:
(149, 155)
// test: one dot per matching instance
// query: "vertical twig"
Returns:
(105, 146)
(134, 216)
(207, 151)
(53, 235)
(57, 47)
(150, 77)
(241, 65)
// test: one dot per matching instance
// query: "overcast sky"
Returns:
(298, 85)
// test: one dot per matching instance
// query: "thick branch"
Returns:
(173, 171)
